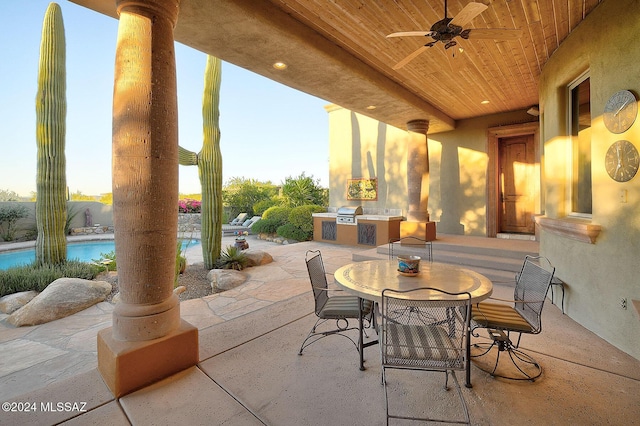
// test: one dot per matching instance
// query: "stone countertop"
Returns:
(379, 217)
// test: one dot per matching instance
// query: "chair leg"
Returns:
(467, 418)
(527, 368)
(314, 335)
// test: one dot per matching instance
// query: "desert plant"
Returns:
(302, 217)
(209, 162)
(9, 215)
(261, 206)
(71, 214)
(291, 232)
(241, 195)
(189, 205)
(277, 214)
(232, 258)
(181, 262)
(265, 226)
(38, 277)
(107, 261)
(303, 190)
(8, 195)
(51, 111)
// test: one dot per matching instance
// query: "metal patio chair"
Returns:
(410, 342)
(340, 308)
(523, 317)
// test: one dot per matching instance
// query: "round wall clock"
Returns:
(622, 161)
(620, 111)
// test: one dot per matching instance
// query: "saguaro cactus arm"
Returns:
(186, 157)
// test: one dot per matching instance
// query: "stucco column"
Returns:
(418, 171)
(146, 320)
(145, 170)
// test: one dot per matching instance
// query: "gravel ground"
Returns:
(194, 279)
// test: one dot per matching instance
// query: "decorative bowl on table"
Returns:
(409, 265)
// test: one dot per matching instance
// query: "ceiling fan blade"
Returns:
(469, 12)
(410, 34)
(411, 57)
(494, 33)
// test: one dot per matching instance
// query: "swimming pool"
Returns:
(84, 251)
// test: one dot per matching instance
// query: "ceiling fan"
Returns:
(447, 29)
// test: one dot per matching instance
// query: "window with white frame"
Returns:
(580, 128)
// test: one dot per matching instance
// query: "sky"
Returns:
(269, 131)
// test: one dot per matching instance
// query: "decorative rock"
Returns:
(257, 257)
(225, 279)
(15, 301)
(178, 290)
(61, 298)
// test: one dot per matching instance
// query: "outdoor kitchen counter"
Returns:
(368, 230)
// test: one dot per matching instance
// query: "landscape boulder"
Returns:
(257, 257)
(225, 279)
(12, 302)
(61, 298)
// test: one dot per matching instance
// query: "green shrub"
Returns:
(302, 216)
(303, 190)
(9, 215)
(107, 261)
(31, 277)
(294, 233)
(232, 258)
(265, 226)
(277, 214)
(261, 206)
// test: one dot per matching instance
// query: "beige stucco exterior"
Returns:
(360, 147)
(599, 274)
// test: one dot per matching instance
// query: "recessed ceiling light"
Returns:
(370, 107)
(484, 102)
(279, 65)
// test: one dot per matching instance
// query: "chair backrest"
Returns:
(532, 285)
(409, 242)
(239, 219)
(318, 278)
(424, 328)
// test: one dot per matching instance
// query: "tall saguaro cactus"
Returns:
(209, 162)
(51, 112)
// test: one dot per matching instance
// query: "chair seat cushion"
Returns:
(500, 316)
(344, 307)
(413, 345)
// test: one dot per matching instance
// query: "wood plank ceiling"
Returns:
(337, 50)
(505, 73)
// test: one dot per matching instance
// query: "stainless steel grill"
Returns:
(348, 214)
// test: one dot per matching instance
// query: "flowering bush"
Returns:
(189, 206)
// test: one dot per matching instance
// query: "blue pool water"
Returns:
(84, 251)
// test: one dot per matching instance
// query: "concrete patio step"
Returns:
(497, 259)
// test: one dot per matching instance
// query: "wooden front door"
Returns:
(517, 184)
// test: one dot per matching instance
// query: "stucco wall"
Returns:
(101, 214)
(598, 275)
(360, 147)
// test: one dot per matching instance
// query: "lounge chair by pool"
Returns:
(243, 227)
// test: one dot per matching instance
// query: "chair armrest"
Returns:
(514, 301)
(328, 289)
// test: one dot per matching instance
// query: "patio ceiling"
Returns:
(337, 50)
